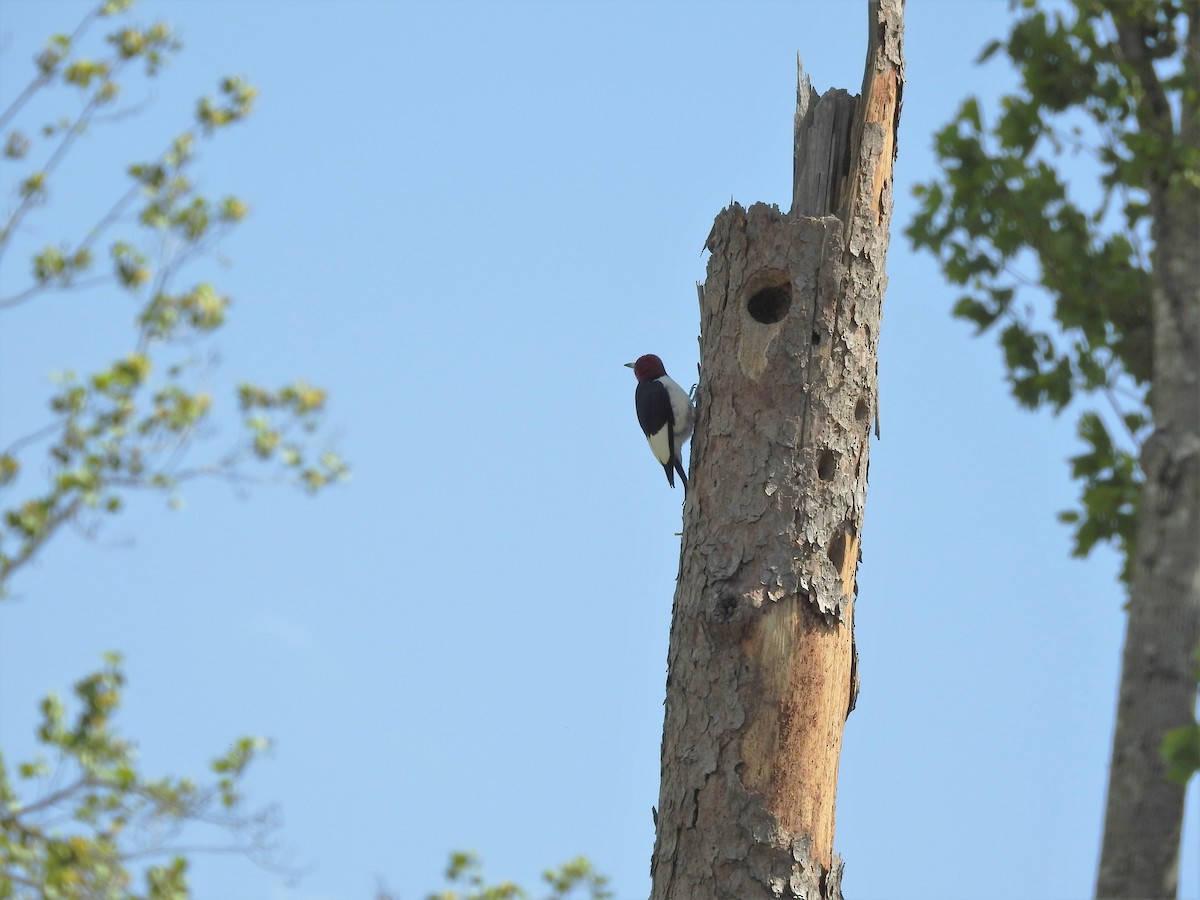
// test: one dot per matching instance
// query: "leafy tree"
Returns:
(80, 822)
(135, 424)
(95, 816)
(465, 874)
(1109, 324)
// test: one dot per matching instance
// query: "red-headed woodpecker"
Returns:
(664, 411)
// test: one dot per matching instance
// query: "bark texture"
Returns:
(761, 666)
(1144, 816)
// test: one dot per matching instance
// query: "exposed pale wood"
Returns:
(821, 161)
(761, 666)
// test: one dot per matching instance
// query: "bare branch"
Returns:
(54, 798)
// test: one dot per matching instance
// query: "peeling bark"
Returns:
(761, 667)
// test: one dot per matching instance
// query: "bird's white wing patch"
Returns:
(660, 444)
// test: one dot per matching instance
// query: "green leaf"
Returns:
(1180, 750)
(9, 467)
(969, 113)
(975, 311)
(989, 50)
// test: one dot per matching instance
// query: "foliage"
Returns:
(1113, 84)
(134, 424)
(95, 818)
(465, 873)
(1181, 751)
(80, 822)
(1181, 746)
(1084, 332)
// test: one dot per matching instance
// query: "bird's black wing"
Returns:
(657, 419)
(653, 406)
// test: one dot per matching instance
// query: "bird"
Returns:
(665, 412)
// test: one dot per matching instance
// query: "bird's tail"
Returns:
(682, 475)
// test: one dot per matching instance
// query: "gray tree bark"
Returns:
(1144, 817)
(761, 665)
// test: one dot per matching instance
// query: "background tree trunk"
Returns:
(1144, 815)
(761, 666)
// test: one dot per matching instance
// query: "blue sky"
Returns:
(466, 217)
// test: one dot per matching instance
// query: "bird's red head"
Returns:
(647, 367)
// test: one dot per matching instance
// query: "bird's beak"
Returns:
(629, 365)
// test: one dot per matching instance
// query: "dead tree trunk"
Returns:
(761, 666)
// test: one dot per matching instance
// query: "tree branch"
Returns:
(44, 78)
(1153, 110)
(56, 797)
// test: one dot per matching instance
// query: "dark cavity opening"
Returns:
(827, 465)
(861, 409)
(837, 551)
(770, 304)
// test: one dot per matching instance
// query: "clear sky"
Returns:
(466, 217)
